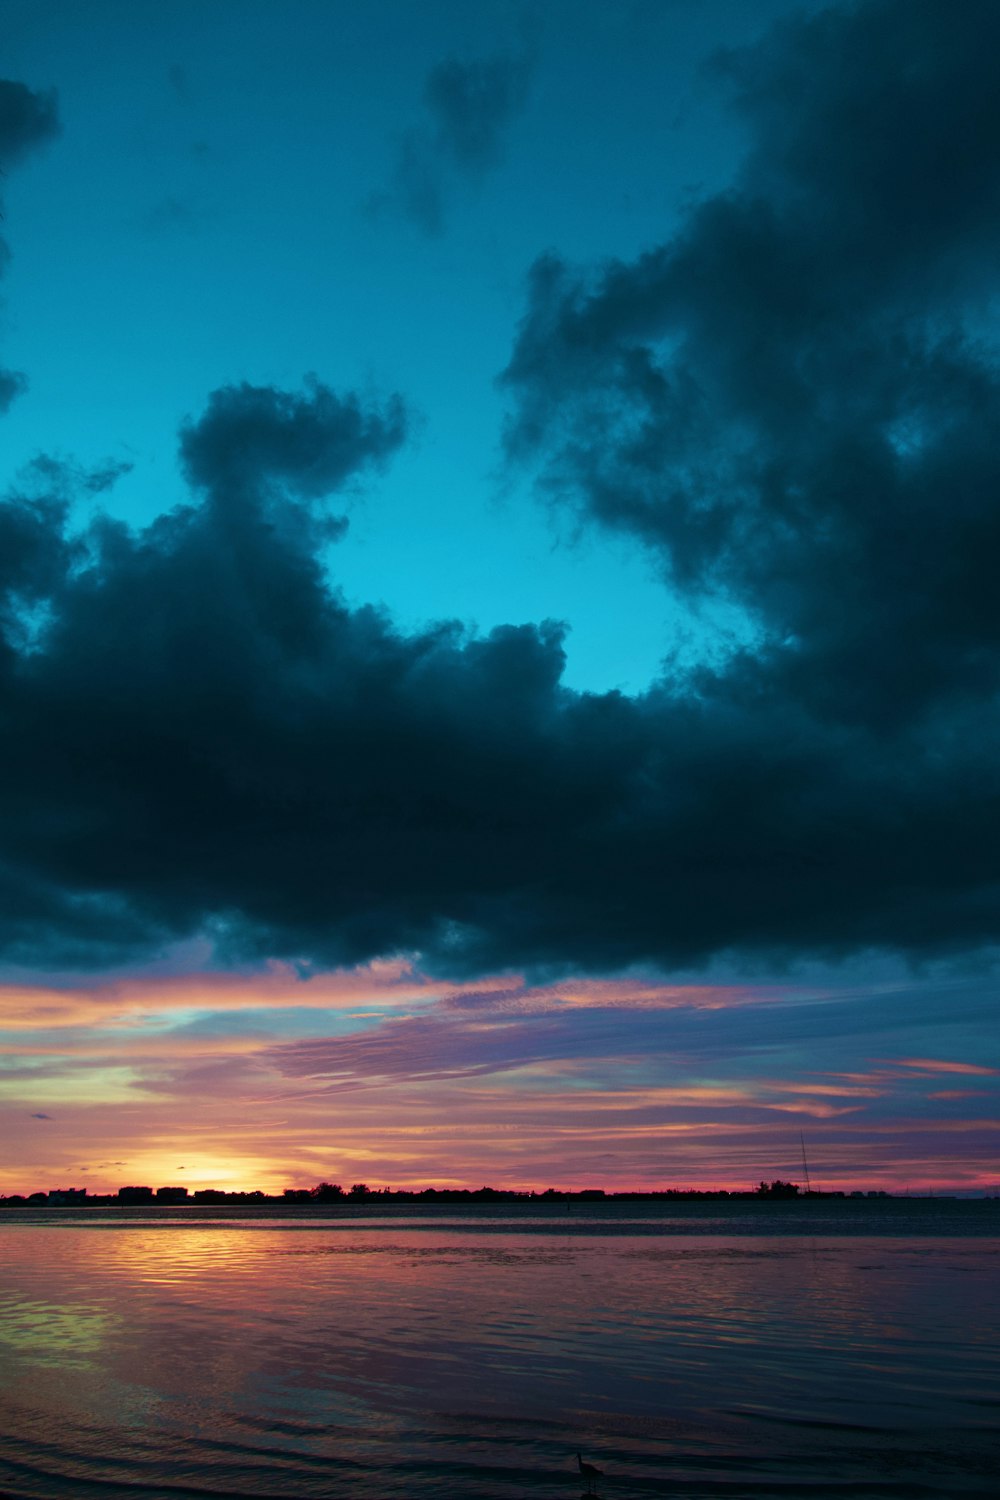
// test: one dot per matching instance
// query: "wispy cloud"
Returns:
(931, 1065)
(468, 106)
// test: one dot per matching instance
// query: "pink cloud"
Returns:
(133, 1001)
(939, 1065)
(622, 1082)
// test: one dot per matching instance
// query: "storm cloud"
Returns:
(792, 402)
(202, 737)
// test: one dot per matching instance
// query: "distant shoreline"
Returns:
(181, 1197)
(212, 1198)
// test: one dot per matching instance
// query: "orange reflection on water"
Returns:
(220, 1315)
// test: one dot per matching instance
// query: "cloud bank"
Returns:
(792, 401)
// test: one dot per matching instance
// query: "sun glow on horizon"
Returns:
(392, 1077)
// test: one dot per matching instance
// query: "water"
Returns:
(827, 1349)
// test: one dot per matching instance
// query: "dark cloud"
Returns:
(793, 401)
(28, 119)
(253, 437)
(12, 385)
(46, 476)
(33, 553)
(471, 104)
(41, 1117)
(417, 189)
(201, 736)
(468, 107)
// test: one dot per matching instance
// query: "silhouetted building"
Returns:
(135, 1195)
(171, 1194)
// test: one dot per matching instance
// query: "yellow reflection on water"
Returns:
(52, 1333)
(173, 1254)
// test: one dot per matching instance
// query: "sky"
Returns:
(498, 520)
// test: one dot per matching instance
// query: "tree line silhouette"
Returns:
(360, 1192)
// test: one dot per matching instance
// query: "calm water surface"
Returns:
(699, 1350)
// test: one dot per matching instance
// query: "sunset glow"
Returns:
(383, 1075)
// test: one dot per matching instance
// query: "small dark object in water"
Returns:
(591, 1474)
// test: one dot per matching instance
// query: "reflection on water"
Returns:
(49, 1333)
(370, 1358)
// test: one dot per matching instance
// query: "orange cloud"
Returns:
(938, 1065)
(622, 1082)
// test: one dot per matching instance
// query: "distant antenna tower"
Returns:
(805, 1164)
